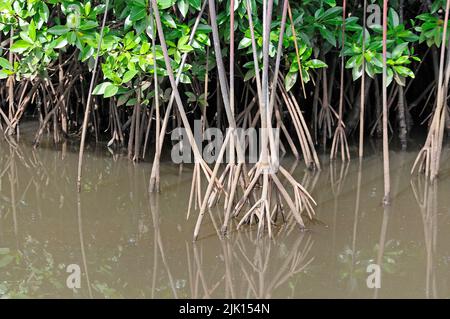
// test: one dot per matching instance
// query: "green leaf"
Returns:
(17, 8)
(123, 99)
(357, 72)
(370, 70)
(87, 8)
(32, 31)
(393, 18)
(144, 48)
(331, 13)
(245, 43)
(111, 90)
(138, 13)
(185, 79)
(377, 28)
(290, 80)
(88, 25)
(377, 60)
(399, 79)
(58, 30)
(72, 37)
(99, 9)
(182, 41)
(24, 36)
(249, 75)
(196, 4)
(100, 88)
(402, 60)
(86, 53)
(435, 6)
(164, 4)
(4, 251)
(3, 74)
(185, 48)
(398, 50)
(5, 64)
(328, 35)
(203, 28)
(183, 6)
(129, 75)
(20, 46)
(139, 3)
(191, 97)
(169, 21)
(353, 61)
(404, 71)
(390, 76)
(60, 42)
(316, 64)
(44, 12)
(131, 102)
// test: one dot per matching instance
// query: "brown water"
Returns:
(130, 245)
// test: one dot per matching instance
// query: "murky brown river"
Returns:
(128, 245)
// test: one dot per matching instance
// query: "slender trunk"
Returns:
(387, 184)
(63, 106)
(88, 103)
(378, 109)
(154, 177)
(363, 80)
(11, 83)
(154, 182)
(132, 128)
(340, 139)
(296, 50)
(137, 131)
(401, 117)
(179, 103)
(401, 106)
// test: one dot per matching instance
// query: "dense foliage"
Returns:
(41, 32)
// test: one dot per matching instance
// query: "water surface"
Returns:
(132, 245)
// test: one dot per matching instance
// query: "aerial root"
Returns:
(427, 160)
(340, 144)
(266, 210)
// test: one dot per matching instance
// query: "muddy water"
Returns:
(127, 244)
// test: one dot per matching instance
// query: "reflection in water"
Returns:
(355, 226)
(251, 267)
(83, 252)
(382, 243)
(426, 194)
(338, 174)
(158, 244)
(132, 244)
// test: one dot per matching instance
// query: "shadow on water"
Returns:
(128, 243)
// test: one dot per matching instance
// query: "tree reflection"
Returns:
(426, 194)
